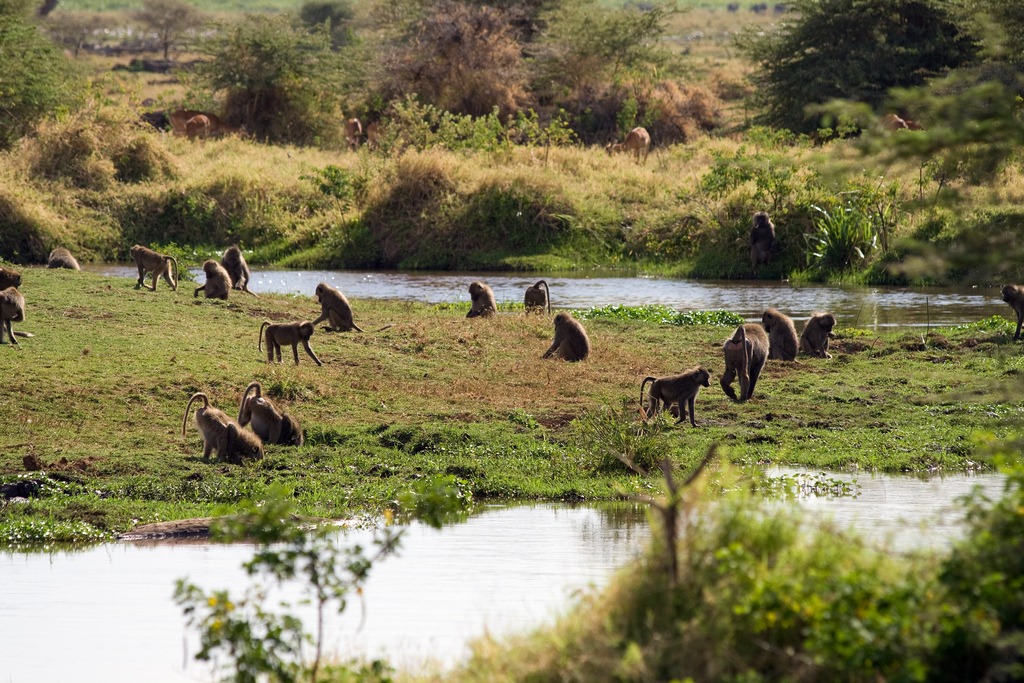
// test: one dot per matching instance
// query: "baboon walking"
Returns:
(148, 260)
(62, 258)
(537, 297)
(268, 422)
(281, 334)
(782, 337)
(745, 355)
(571, 341)
(218, 282)
(817, 332)
(335, 309)
(222, 434)
(762, 240)
(12, 309)
(238, 270)
(1014, 295)
(680, 389)
(482, 297)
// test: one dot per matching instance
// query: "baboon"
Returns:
(238, 270)
(62, 258)
(781, 335)
(679, 389)
(1014, 295)
(9, 278)
(218, 282)
(287, 333)
(222, 434)
(571, 341)
(482, 297)
(270, 424)
(745, 355)
(538, 297)
(12, 308)
(762, 240)
(817, 331)
(148, 260)
(335, 309)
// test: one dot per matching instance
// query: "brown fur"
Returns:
(9, 278)
(62, 258)
(782, 339)
(12, 309)
(335, 309)
(210, 125)
(148, 260)
(637, 142)
(817, 331)
(538, 297)
(680, 390)
(270, 424)
(482, 297)
(571, 341)
(353, 131)
(762, 240)
(1014, 295)
(218, 282)
(292, 334)
(222, 434)
(374, 133)
(745, 354)
(238, 270)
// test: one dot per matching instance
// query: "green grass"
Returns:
(97, 398)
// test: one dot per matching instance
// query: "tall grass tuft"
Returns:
(841, 240)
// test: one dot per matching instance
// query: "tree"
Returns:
(170, 20)
(1000, 23)
(336, 14)
(854, 50)
(35, 78)
(279, 80)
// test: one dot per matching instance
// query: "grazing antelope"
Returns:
(637, 142)
(353, 131)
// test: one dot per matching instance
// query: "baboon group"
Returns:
(745, 353)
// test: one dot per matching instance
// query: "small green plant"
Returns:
(841, 240)
(620, 437)
(660, 315)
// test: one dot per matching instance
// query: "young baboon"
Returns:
(238, 269)
(571, 341)
(482, 297)
(62, 258)
(9, 278)
(287, 333)
(538, 297)
(222, 434)
(745, 355)
(817, 331)
(1014, 295)
(270, 424)
(335, 309)
(782, 338)
(12, 308)
(762, 240)
(148, 260)
(218, 282)
(680, 390)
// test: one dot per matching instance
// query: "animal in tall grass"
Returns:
(637, 143)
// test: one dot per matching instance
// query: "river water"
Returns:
(854, 306)
(106, 613)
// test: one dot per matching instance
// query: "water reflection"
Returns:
(867, 307)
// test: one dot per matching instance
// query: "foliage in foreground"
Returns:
(763, 595)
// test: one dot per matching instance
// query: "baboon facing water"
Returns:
(745, 355)
(218, 282)
(538, 297)
(335, 309)
(782, 339)
(679, 389)
(148, 260)
(482, 297)
(571, 341)
(817, 331)
(270, 424)
(238, 270)
(293, 334)
(62, 258)
(222, 434)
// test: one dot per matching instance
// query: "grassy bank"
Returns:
(96, 399)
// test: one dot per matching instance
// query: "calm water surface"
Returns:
(866, 307)
(106, 614)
